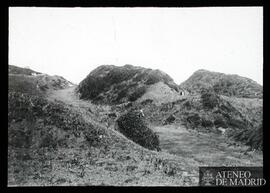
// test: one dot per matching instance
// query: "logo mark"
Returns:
(207, 178)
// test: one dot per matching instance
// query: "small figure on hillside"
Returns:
(141, 113)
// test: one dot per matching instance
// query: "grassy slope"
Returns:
(34, 83)
(235, 114)
(75, 156)
(205, 149)
(160, 93)
(60, 145)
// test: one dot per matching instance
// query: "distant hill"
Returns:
(119, 84)
(224, 84)
(19, 70)
(35, 83)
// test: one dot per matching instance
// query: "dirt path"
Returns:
(69, 96)
(206, 149)
(85, 108)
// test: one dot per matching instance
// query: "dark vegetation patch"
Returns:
(147, 101)
(252, 137)
(135, 128)
(169, 120)
(209, 99)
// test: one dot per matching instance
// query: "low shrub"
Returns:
(147, 101)
(194, 120)
(250, 137)
(209, 99)
(187, 104)
(169, 120)
(220, 121)
(236, 123)
(206, 122)
(133, 127)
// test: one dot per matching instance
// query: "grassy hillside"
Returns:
(52, 142)
(55, 138)
(23, 80)
(118, 84)
(224, 84)
(209, 112)
(18, 70)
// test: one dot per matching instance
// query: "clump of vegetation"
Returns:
(147, 101)
(206, 122)
(250, 137)
(169, 120)
(134, 127)
(193, 120)
(209, 99)
(238, 123)
(220, 121)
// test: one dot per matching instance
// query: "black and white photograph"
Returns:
(135, 96)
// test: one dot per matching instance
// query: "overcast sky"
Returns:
(73, 41)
